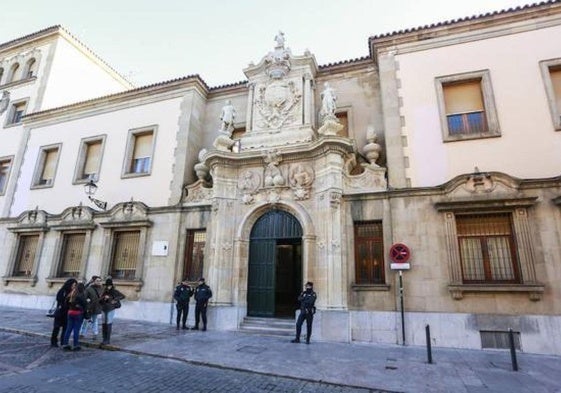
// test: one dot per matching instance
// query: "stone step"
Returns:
(268, 326)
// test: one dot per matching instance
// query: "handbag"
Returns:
(52, 311)
(116, 303)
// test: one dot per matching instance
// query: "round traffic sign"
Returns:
(399, 253)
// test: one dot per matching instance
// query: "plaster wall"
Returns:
(153, 190)
(520, 98)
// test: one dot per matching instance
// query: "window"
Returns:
(140, 149)
(25, 259)
(125, 255)
(46, 166)
(1, 74)
(30, 69)
(13, 74)
(5, 166)
(369, 253)
(16, 112)
(344, 120)
(194, 254)
(551, 72)
(467, 106)
(487, 250)
(490, 245)
(71, 255)
(237, 135)
(89, 159)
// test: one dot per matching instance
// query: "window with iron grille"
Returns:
(369, 253)
(487, 248)
(125, 255)
(194, 254)
(71, 255)
(27, 249)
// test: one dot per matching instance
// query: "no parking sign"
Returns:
(400, 254)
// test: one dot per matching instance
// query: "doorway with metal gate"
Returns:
(275, 265)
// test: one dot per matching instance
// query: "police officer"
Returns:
(182, 295)
(307, 301)
(202, 296)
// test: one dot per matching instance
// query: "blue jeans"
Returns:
(73, 325)
(108, 316)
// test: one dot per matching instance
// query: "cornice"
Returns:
(296, 152)
(489, 25)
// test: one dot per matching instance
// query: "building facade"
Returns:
(303, 173)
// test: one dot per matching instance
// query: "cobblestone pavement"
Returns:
(356, 366)
(28, 364)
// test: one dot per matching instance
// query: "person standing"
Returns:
(61, 313)
(182, 296)
(307, 301)
(110, 300)
(77, 305)
(202, 295)
(93, 293)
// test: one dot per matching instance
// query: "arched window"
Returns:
(1, 74)
(30, 69)
(13, 73)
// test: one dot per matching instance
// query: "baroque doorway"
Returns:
(275, 265)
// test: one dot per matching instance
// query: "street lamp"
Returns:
(90, 188)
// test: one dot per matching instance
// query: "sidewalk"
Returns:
(386, 367)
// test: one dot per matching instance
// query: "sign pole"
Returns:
(402, 312)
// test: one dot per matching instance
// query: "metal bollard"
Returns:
(429, 348)
(512, 350)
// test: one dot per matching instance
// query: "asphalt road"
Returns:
(29, 364)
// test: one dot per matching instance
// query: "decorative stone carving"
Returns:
(277, 62)
(350, 163)
(201, 169)
(372, 179)
(273, 197)
(478, 182)
(330, 123)
(335, 199)
(276, 102)
(273, 175)
(227, 117)
(372, 150)
(4, 101)
(248, 184)
(198, 192)
(301, 177)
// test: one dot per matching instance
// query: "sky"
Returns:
(150, 41)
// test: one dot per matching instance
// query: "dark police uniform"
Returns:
(202, 296)
(182, 295)
(307, 301)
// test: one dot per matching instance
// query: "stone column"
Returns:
(249, 114)
(308, 99)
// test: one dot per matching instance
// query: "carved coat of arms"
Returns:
(276, 102)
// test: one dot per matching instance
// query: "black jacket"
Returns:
(182, 294)
(202, 294)
(307, 300)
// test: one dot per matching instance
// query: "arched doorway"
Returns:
(275, 265)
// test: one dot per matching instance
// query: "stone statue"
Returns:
(328, 99)
(228, 117)
(279, 38)
(4, 101)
